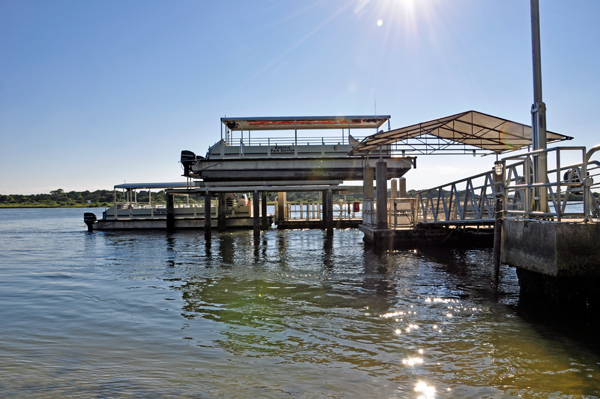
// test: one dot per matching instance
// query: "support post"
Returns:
(381, 186)
(368, 182)
(256, 213)
(170, 212)
(207, 214)
(402, 187)
(394, 194)
(280, 207)
(499, 190)
(328, 211)
(263, 203)
(222, 213)
(324, 209)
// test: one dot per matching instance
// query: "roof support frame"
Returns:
(463, 132)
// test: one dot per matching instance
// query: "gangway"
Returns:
(473, 202)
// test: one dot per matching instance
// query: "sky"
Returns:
(95, 93)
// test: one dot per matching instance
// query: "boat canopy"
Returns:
(306, 122)
(137, 186)
(453, 134)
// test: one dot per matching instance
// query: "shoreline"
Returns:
(48, 206)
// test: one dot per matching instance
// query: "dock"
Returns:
(529, 221)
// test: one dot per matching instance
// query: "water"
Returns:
(159, 315)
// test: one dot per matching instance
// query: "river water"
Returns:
(293, 314)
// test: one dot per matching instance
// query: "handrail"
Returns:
(592, 151)
(472, 199)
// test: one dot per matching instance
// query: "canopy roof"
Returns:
(306, 122)
(454, 133)
(132, 186)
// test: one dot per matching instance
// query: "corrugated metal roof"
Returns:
(470, 128)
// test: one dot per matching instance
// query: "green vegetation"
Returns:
(58, 198)
(105, 198)
(74, 199)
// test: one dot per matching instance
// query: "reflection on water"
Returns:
(292, 313)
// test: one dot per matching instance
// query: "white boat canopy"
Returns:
(138, 186)
(460, 133)
(306, 122)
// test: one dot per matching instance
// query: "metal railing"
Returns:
(314, 210)
(467, 201)
(563, 183)
(289, 141)
(473, 200)
(401, 212)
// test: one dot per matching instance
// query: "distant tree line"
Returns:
(105, 198)
(60, 198)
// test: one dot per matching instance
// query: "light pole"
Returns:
(538, 113)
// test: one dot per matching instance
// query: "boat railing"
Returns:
(288, 140)
(313, 210)
(400, 212)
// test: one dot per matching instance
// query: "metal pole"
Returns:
(538, 112)
(499, 190)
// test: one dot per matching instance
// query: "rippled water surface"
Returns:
(292, 314)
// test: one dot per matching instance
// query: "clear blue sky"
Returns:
(93, 93)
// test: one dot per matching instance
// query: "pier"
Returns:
(527, 217)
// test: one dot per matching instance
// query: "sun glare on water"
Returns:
(426, 391)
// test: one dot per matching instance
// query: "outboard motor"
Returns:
(188, 158)
(89, 219)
